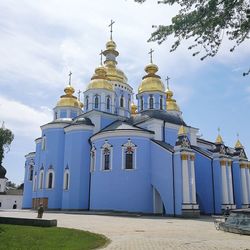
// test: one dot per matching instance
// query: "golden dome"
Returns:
(113, 73)
(133, 109)
(151, 81)
(238, 144)
(219, 139)
(182, 131)
(111, 45)
(99, 80)
(171, 103)
(68, 100)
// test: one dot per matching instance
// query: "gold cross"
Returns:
(151, 57)
(101, 56)
(70, 74)
(111, 29)
(167, 79)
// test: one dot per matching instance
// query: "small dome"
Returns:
(99, 80)
(69, 100)
(238, 144)
(111, 45)
(133, 109)
(219, 140)
(171, 103)
(2, 172)
(151, 81)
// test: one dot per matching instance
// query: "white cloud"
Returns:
(22, 119)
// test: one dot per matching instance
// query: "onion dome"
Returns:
(99, 80)
(238, 145)
(151, 81)
(133, 109)
(171, 103)
(2, 172)
(219, 140)
(69, 100)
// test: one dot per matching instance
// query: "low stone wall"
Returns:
(28, 222)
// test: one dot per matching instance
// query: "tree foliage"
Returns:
(207, 22)
(6, 137)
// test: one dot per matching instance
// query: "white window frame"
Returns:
(66, 184)
(41, 179)
(124, 147)
(92, 159)
(35, 183)
(108, 146)
(53, 179)
(44, 143)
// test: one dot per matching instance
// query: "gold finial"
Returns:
(133, 108)
(182, 131)
(238, 143)
(101, 56)
(111, 29)
(219, 138)
(151, 55)
(70, 74)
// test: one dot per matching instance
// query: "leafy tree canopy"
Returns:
(207, 22)
(6, 137)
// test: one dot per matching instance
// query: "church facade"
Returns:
(109, 154)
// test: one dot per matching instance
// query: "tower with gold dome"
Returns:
(110, 154)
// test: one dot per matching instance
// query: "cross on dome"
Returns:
(111, 29)
(167, 79)
(151, 56)
(101, 56)
(70, 74)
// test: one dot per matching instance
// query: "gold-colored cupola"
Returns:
(171, 102)
(69, 100)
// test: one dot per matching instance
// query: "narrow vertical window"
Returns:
(96, 102)
(44, 143)
(66, 180)
(161, 103)
(121, 102)
(50, 180)
(108, 103)
(106, 153)
(129, 155)
(129, 158)
(31, 171)
(106, 156)
(87, 103)
(41, 180)
(151, 102)
(141, 103)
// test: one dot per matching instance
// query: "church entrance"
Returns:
(37, 201)
(157, 202)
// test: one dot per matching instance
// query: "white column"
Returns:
(185, 180)
(224, 183)
(248, 179)
(193, 185)
(243, 184)
(230, 182)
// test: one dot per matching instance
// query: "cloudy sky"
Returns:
(41, 41)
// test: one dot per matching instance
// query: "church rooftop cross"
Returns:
(151, 55)
(101, 56)
(70, 74)
(167, 79)
(111, 29)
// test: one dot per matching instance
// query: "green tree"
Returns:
(207, 22)
(6, 137)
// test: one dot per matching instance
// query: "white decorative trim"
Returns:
(106, 146)
(53, 179)
(35, 183)
(126, 133)
(56, 125)
(134, 158)
(41, 179)
(78, 127)
(65, 184)
(44, 143)
(92, 158)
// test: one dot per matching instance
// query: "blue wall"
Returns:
(237, 184)
(118, 189)
(161, 177)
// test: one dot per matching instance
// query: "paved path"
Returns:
(140, 233)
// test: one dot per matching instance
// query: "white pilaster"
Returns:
(185, 180)
(193, 185)
(224, 183)
(244, 184)
(248, 181)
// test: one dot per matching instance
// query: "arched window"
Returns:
(151, 102)
(129, 155)
(66, 180)
(96, 102)
(41, 174)
(87, 103)
(141, 103)
(106, 156)
(50, 179)
(121, 102)
(108, 103)
(161, 103)
(31, 171)
(34, 183)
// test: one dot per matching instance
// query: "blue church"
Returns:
(109, 154)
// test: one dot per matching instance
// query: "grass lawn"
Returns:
(27, 237)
